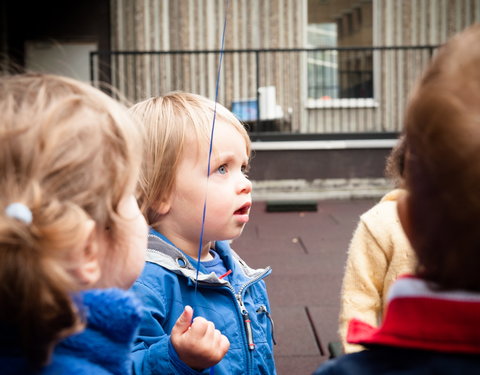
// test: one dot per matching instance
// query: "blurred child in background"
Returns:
(379, 252)
(432, 321)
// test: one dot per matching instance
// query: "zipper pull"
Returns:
(248, 329)
(246, 322)
(263, 309)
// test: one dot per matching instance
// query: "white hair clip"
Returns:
(19, 211)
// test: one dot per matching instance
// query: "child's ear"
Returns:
(164, 206)
(87, 270)
(403, 212)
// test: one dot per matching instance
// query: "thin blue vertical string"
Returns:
(210, 148)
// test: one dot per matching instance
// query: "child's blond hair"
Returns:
(443, 165)
(170, 121)
(69, 153)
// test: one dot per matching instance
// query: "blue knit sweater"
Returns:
(104, 347)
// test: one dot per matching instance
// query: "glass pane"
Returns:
(335, 73)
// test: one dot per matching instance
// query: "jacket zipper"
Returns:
(246, 323)
(244, 311)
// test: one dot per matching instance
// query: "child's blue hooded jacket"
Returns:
(167, 285)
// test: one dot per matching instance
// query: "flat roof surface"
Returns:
(307, 252)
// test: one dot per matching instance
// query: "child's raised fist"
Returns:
(198, 343)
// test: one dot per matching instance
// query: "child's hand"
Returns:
(198, 344)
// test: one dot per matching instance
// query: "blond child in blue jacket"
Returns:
(229, 295)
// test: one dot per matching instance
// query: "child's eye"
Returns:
(222, 169)
(245, 169)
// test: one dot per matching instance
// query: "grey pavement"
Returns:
(307, 251)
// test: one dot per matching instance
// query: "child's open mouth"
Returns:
(243, 210)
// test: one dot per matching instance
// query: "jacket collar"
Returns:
(420, 317)
(112, 317)
(164, 253)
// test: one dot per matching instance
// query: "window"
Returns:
(358, 14)
(322, 65)
(335, 73)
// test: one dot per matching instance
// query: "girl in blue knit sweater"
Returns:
(69, 223)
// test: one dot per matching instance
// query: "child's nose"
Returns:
(245, 185)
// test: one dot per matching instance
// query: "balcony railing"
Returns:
(306, 93)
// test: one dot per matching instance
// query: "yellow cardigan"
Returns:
(379, 252)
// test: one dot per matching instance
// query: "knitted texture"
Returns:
(379, 252)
